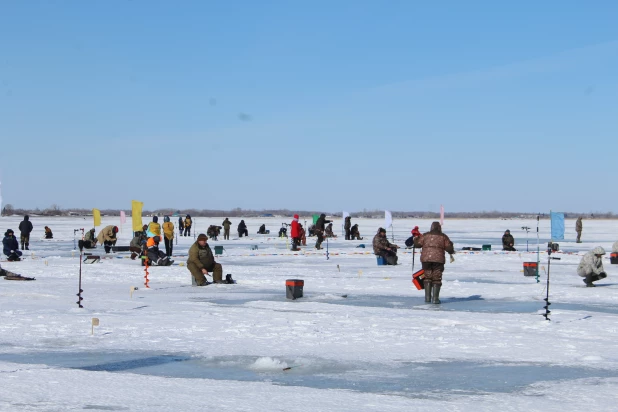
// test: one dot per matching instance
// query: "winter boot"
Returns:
(588, 281)
(427, 291)
(436, 294)
(22, 246)
(27, 244)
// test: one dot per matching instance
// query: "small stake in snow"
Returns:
(131, 290)
(95, 322)
(338, 268)
(360, 273)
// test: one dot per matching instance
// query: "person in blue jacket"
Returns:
(10, 246)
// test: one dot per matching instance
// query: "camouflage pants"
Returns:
(226, 234)
(200, 278)
(579, 237)
(320, 235)
(347, 234)
(433, 272)
(25, 241)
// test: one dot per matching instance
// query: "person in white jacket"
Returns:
(615, 247)
(591, 266)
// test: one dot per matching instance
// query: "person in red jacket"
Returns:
(295, 233)
(416, 232)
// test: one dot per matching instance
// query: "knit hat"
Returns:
(202, 236)
(115, 229)
(381, 230)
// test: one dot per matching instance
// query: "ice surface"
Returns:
(362, 338)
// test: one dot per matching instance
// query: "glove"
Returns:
(452, 258)
(12, 251)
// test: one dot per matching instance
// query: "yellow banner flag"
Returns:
(96, 213)
(136, 215)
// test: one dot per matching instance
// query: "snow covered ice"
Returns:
(361, 339)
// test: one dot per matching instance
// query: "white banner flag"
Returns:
(441, 215)
(345, 214)
(388, 219)
(123, 217)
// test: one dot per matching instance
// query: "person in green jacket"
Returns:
(201, 261)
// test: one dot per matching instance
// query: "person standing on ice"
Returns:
(154, 228)
(382, 247)
(591, 266)
(508, 242)
(107, 237)
(578, 229)
(302, 235)
(227, 225)
(201, 261)
(168, 234)
(10, 247)
(188, 224)
(347, 225)
(25, 227)
(319, 230)
(295, 234)
(181, 225)
(434, 244)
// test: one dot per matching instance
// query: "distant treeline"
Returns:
(55, 210)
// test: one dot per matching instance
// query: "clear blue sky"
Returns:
(326, 105)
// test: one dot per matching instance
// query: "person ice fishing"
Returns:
(329, 231)
(262, 229)
(302, 235)
(9, 274)
(201, 261)
(137, 246)
(319, 230)
(188, 224)
(25, 227)
(382, 247)
(10, 246)
(242, 229)
(48, 233)
(591, 266)
(168, 235)
(434, 244)
(89, 242)
(347, 225)
(508, 242)
(226, 228)
(181, 225)
(213, 232)
(578, 228)
(295, 233)
(354, 233)
(154, 228)
(155, 255)
(107, 237)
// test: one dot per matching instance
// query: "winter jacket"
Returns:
(227, 225)
(138, 239)
(295, 228)
(615, 247)
(354, 231)
(508, 240)
(242, 226)
(434, 243)
(154, 228)
(578, 225)
(201, 257)
(321, 223)
(9, 243)
(25, 227)
(181, 223)
(188, 221)
(348, 223)
(380, 244)
(107, 235)
(590, 263)
(89, 236)
(168, 230)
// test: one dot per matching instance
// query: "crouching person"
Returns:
(382, 247)
(107, 237)
(136, 247)
(201, 261)
(591, 266)
(89, 242)
(157, 257)
(10, 246)
(434, 243)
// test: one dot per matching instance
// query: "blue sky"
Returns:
(324, 105)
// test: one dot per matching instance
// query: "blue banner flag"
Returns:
(557, 226)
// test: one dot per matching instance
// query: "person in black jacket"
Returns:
(242, 229)
(10, 247)
(25, 227)
(319, 230)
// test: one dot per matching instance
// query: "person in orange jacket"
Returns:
(156, 256)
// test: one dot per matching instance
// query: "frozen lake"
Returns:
(361, 338)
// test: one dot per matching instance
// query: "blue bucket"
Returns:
(381, 261)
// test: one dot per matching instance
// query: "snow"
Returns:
(360, 339)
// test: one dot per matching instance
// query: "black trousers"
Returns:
(169, 246)
(188, 231)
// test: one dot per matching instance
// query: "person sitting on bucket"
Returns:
(508, 242)
(10, 246)
(354, 233)
(591, 266)
(90, 240)
(156, 256)
(262, 230)
(329, 231)
(48, 233)
(201, 261)
(382, 247)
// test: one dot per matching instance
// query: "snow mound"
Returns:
(268, 364)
